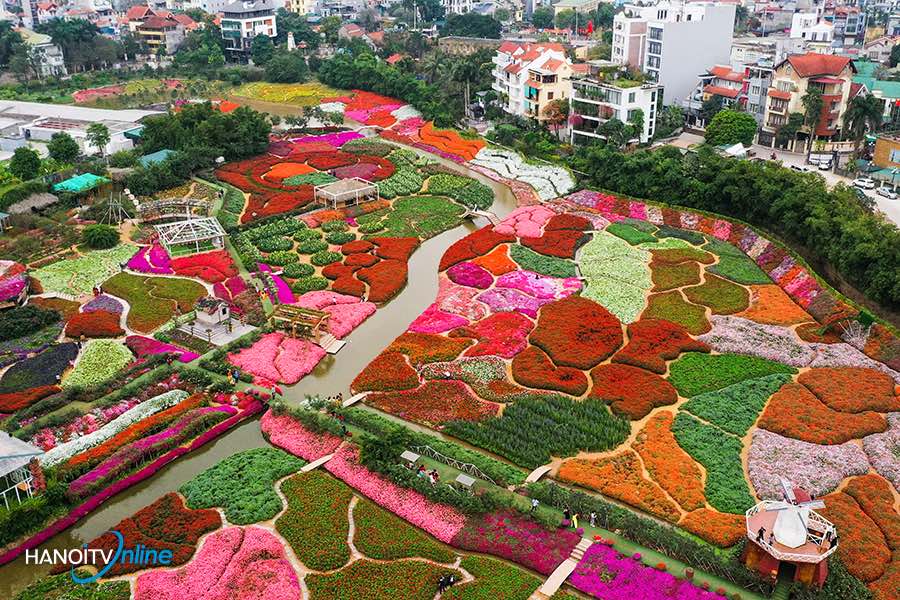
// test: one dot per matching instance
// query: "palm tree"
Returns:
(434, 66)
(864, 114)
(812, 113)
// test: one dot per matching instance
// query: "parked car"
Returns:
(865, 183)
(887, 193)
(801, 168)
(824, 165)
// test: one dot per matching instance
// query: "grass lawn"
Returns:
(153, 300)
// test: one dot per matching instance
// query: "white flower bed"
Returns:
(333, 107)
(405, 112)
(549, 182)
(143, 410)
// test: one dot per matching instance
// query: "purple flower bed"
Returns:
(38, 370)
(742, 336)
(816, 468)
(519, 539)
(539, 286)
(151, 259)
(105, 303)
(282, 291)
(362, 170)
(507, 300)
(881, 449)
(143, 346)
(604, 573)
(470, 274)
(11, 287)
(337, 139)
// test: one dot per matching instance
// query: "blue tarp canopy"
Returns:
(155, 157)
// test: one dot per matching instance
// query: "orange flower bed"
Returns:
(771, 306)
(13, 401)
(722, 529)
(862, 547)
(388, 372)
(395, 248)
(348, 284)
(886, 586)
(450, 141)
(873, 494)
(434, 403)
(883, 346)
(94, 324)
(811, 332)
(497, 261)
(284, 170)
(577, 332)
(473, 245)
(631, 392)
(651, 342)
(670, 466)
(795, 412)
(66, 308)
(620, 477)
(428, 347)
(533, 368)
(853, 390)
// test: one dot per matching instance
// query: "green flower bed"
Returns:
(720, 454)
(492, 576)
(298, 270)
(315, 523)
(308, 234)
(533, 429)
(274, 243)
(465, 190)
(422, 217)
(630, 234)
(405, 181)
(100, 361)
(695, 373)
(340, 237)
(551, 266)
(371, 146)
(735, 265)
(286, 226)
(372, 226)
(735, 408)
(80, 275)
(367, 580)
(282, 257)
(325, 257)
(691, 237)
(720, 295)
(153, 299)
(336, 225)
(312, 246)
(384, 536)
(243, 485)
(309, 284)
(317, 178)
(62, 587)
(673, 307)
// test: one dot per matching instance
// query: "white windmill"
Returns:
(793, 524)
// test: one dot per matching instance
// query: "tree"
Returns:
(788, 131)
(100, 237)
(287, 67)
(670, 119)
(542, 18)
(25, 163)
(636, 120)
(863, 114)
(557, 114)
(615, 132)
(287, 21)
(25, 63)
(330, 26)
(710, 107)
(472, 24)
(261, 49)
(895, 56)
(368, 19)
(812, 112)
(565, 19)
(63, 148)
(98, 136)
(10, 40)
(502, 14)
(730, 127)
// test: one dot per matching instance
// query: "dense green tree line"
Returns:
(799, 207)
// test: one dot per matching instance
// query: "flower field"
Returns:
(79, 275)
(153, 300)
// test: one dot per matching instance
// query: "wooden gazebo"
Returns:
(300, 322)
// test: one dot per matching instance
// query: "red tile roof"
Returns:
(726, 73)
(156, 22)
(376, 36)
(721, 91)
(855, 89)
(776, 93)
(136, 13)
(553, 64)
(185, 20)
(812, 64)
(581, 68)
(393, 59)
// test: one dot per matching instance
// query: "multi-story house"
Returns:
(161, 35)
(528, 76)
(673, 40)
(458, 7)
(301, 7)
(793, 78)
(720, 82)
(879, 49)
(244, 20)
(47, 11)
(603, 94)
(47, 57)
(849, 24)
(807, 26)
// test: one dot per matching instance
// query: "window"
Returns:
(895, 156)
(549, 95)
(655, 48)
(755, 90)
(653, 62)
(632, 96)
(656, 33)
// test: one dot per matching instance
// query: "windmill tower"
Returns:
(789, 536)
(115, 212)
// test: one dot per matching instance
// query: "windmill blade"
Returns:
(788, 489)
(779, 505)
(813, 504)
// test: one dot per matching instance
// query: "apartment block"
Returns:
(244, 20)
(529, 76)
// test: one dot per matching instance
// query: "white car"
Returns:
(824, 165)
(887, 193)
(865, 183)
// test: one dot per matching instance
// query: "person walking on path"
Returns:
(534, 504)
(575, 521)
(593, 519)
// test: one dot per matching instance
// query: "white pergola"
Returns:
(15, 476)
(191, 232)
(346, 192)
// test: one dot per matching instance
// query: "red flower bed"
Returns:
(533, 368)
(388, 372)
(338, 270)
(794, 411)
(332, 160)
(722, 529)
(863, 548)
(14, 401)
(852, 390)
(357, 247)
(212, 267)
(428, 347)
(874, 495)
(651, 342)
(164, 525)
(385, 279)
(395, 248)
(349, 285)
(631, 392)
(360, 260)
(567, 221)
(562, 243)
(502, 334)
(381, 118)
(883, 346)
(267, 204)
(98, 323)
(577, 332)
(434, 403)
(473, 245)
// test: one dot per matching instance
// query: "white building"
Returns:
(301, 7)
(600, 96)
(244, 20)
(458, 7)
(530, 75)
(673, 41)
(807, 26)
(48, 57)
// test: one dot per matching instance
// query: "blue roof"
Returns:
(155, 157)
(80, 183)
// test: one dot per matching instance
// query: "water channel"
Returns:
(333, 375)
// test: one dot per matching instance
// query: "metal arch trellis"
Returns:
(173, 207)
(192, 231)
(452, 462)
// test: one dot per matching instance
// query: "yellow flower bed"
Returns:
(298, 94)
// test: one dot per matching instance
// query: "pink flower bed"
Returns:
(278, 358)
(51, 437)
(144, 346)
(289, 434)
(722, 230)
(509, 300)
(743, 336)
(230, 288)
(11, 287)
(363, 170)
(320, 299)
(151, 259)
(409, 126)
(435, 320)
(604, 573)
(471, 275)
(539, 286)
(105, 303)
(441, 521)
(637, 210)
(459, 300)
(336, 140)
(236, 562)
(526, 221)
(283, 293)
(347, 312)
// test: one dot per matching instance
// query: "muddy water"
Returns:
(331, 376)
